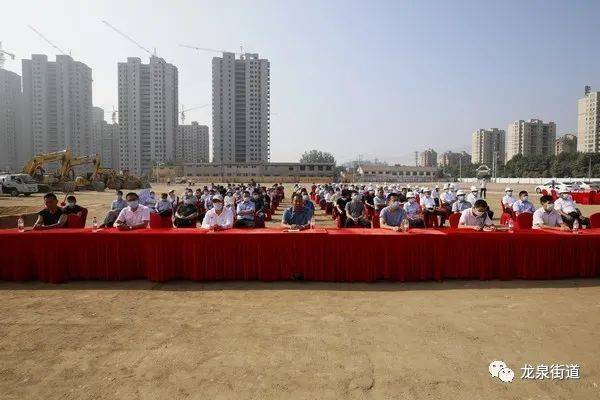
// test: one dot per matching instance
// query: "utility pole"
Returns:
(590, 168)
(416, 158)
(460, 167)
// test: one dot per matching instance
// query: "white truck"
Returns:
(16, 184)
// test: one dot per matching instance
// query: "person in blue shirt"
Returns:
(297, 216)
(245, 212)
(523, 205)
(392, 216)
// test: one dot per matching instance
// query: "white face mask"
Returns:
(525, 198)
(478, 213)
(218, 206)
(461, 197)
(549, 207)
(565, 196)
(411, 200)
(395, 205)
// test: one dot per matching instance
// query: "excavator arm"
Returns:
(39, 160)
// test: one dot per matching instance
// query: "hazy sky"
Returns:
(377, 78)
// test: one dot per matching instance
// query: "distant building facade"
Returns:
(267, 172)
(148, 102)
(395, 173)
(428, 158)
(57, 99)
(533, 137)
(11, 129)
(487, 144)
(105, 140)
(565, 144)
(452, 159)
(191, 144)
(241, 109)
(588, 122)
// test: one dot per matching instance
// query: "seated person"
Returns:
(307, 202)
(187, 213)
(379, 201)
(523, 205)
(354, 213)
(245, 212)
(546, 217)
(476, 217)
(115, 208)
(341, 202)
(448, 198)
(368, 199)
(461, 203)
(173, 199)
(134, 216)
(72, 207)
(297, 216)
(413, 211)
(52, 216)
(164, 207)
(508, 200)
(568, 210)
(219, 218)
(429, 207)
(473, 196)
(392, 216)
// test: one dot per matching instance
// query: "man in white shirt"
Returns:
(473, 196)
(430, 207)
(218, 218)
(448, 197)
(483, 189)
(476, 217)
(568, 209)
(546, 217)
(412, 209)
(508, 200)
(134, 216)
(523, 205)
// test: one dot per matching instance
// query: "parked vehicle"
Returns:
(16, 184)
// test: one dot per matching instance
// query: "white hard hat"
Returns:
(217, 197)
(410, 194)
(460, 192)
(564, 189)
(508, 189)
(426, 189)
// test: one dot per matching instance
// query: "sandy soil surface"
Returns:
(295, 340)
(98, 203)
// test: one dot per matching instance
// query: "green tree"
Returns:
(317, 156)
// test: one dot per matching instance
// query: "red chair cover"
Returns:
(431, 220)
(524, 221)
(454, 218)
(158, 222)
(375, 220)
(75, 221)
(329, 209)
(595, 220)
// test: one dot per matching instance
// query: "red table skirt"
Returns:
(345, 255)
(591, 197)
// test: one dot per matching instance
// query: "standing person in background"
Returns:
(482, 188)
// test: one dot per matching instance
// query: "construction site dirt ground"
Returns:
(294, 340)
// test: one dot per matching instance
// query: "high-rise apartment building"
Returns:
(488, 145)
(533, 137)
(428, 158)
(105, 140)
(191, 145)
(148, 101)
(10, 121)
(588, 122)
(567, 143)
(57, 99)
(241, 109)
(452, 159)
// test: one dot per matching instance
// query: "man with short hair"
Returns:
(461, 203)
(134, 216)
(568, 209)
(164, 207)
(115, 209)
(72, 207)
(546, 217)
(523, 205)
(392, 216)
(476, 217)
(245, 212)
(52, 216)
(379, 201)
(218, 218)
(297, 216)
(186, 213)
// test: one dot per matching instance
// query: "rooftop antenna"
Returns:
(46, 39)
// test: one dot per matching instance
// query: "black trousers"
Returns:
(570, 218)
(482, 192)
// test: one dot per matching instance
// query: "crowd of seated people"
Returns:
(389, 206)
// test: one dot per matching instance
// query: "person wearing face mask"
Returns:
(368, 199)
(186, 214)
(245, 212)
(307, 202)
(413, 211)
(523, 205)
(448, 197)
(354, 213)
(392, 216)
(379, 201)
(164, 207)
(546, 217)
(568, 210)
(476, 217)
(259, 206)
(115, 208)
(461, 203)
(72, 207)
(219, 217)
(473, 196)
(429, 207)
(134, 216)
(173, 199)
(340, 205)
(508, 200)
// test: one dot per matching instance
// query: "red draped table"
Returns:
(344, 255)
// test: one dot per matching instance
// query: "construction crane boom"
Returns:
(2, 53)
(128, 38)
(207, 49)
(182, 112)
(46, 39)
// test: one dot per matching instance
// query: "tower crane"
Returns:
(46, 39)
(129, 38)
(182, 112)
(113, 114)
(212, 50)
(2, 53)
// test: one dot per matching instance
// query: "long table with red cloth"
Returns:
(341, 255)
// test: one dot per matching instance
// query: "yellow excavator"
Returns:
(53, 180)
